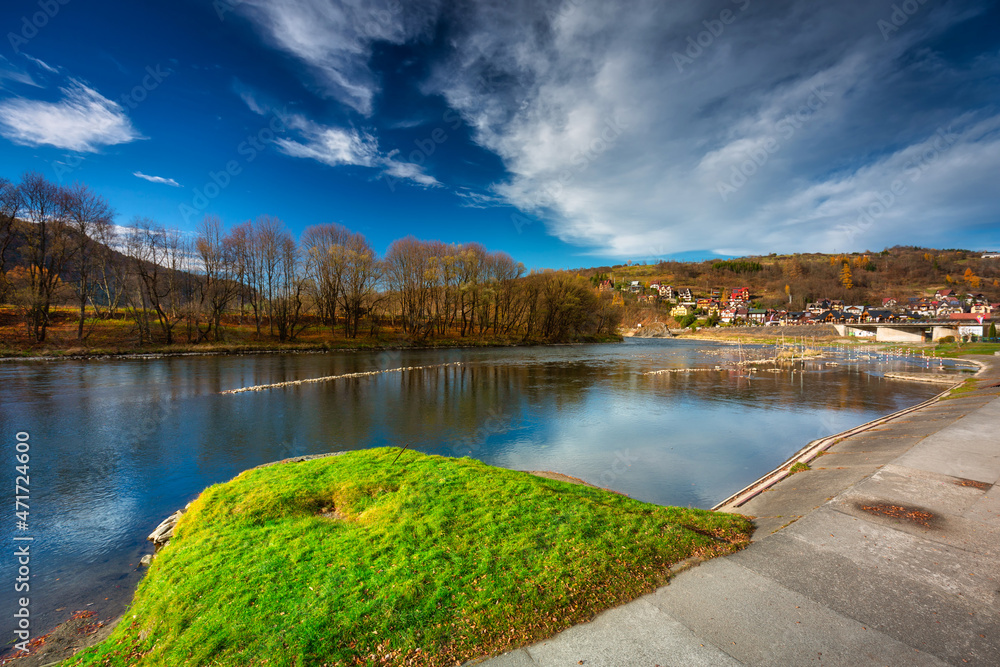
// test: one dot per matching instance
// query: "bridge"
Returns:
(912, 332)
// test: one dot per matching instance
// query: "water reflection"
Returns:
(118, 445)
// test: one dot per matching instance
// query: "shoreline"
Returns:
(318, 349)
(812, 450)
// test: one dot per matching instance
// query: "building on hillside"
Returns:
(880, 315)
(679, 311)
(817, 307)
(943, 293)
(667, 291)
(740, 294)
(606, 286)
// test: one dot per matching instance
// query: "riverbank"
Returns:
(216, 349)
(824, 335)
(427, 560)
(882, 551)
(116, 338)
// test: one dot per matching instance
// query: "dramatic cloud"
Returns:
(646, 128)
(83, 120)
(335, 38)
(157, 179)
(642, 128)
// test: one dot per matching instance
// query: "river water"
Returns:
(117, 445)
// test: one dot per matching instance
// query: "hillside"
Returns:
(793, 281)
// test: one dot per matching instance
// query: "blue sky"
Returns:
(567, 133)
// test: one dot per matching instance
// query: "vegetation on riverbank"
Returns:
(116, 337)
(355, 559)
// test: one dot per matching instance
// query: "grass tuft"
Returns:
(434, 561)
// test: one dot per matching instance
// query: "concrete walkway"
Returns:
(886, 553)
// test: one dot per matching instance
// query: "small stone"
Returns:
(146, 560)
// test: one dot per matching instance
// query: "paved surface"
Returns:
(886, 553)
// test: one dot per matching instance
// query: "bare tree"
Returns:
(10, 206)
(48, 248)
(361, 278)
(287, 304)
(88, 216)
(325, 266)
(218, 255)
(268, 241)
(405, 267)
(156, 259)
(248, 269)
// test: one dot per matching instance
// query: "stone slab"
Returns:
(880, 549)
(635, 634)
(804, 491)
(880, 597)
(760, 622)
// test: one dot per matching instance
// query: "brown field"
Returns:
(119, 335)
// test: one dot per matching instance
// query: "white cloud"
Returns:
(472, 199)
(83, 120)
(11, 72)
(332, 146)
(157, 179)
(338, 146)
(640, 127)
(335, 38)
(627, 153)
(41, 63)
(406, 171)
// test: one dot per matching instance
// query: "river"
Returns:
(117, 445)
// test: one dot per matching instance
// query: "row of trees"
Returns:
(60, 244)
(66, 225)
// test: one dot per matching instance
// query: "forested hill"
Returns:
(792, 281)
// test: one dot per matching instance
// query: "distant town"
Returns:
(735, 306)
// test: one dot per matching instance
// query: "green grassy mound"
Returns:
(432, 561)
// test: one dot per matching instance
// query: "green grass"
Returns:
(960, 349)
(798, 466)
(966, 387)
(429, 561)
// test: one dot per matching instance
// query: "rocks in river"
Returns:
(146, 560)
(654, 330)
(165, 530)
